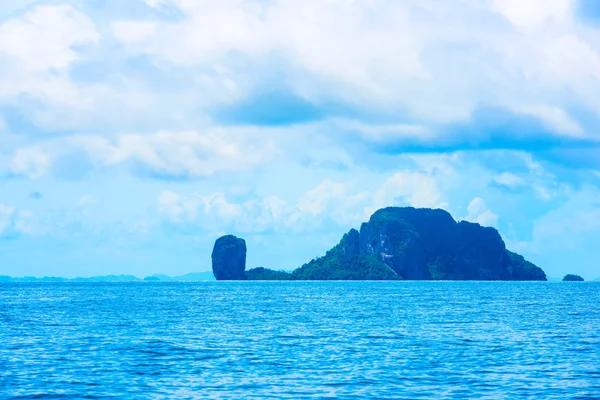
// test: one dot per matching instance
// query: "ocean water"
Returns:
(300, 339)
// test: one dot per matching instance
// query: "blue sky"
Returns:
(133, 133)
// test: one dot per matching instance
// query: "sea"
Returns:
(261, 340)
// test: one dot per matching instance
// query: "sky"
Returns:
(133, 133)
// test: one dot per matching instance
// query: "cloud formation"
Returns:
(165, 122)
(14, 222)
(479, 213)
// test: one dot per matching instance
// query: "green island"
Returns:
(397, 243)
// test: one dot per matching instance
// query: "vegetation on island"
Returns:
(523, 270)
(265, 274)
(337, 264)
(572, 278)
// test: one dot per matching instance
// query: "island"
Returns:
(229, 258)
(397, 243)
(572, 278)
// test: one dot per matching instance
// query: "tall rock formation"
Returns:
(229, 259)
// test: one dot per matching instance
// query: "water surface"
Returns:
(300, 339)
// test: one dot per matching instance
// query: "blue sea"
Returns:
(412, 340)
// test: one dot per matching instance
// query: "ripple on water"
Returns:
(300, 339)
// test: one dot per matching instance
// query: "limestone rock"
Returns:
(229, 258)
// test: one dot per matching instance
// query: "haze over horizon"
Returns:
(134, 133)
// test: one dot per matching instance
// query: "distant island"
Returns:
(398, 243)
(573, 278)
(194, 276)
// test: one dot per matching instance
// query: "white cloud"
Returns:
(36, 50)
(395, 57)
(544, 185)
(565, 238)
(14, 221)
(579, 215)
(8, 7)
(43, 38)
(211, 29)
(330, 40)
(532, 13)
(317, 200)
(187, 153)
(6, 215)
(510, 180)
(406, 56)
(133, 31)
(415, 189)
(337, 40)
(216, 213)
(556, 119)
(148, 95)
(86, 200)
(169, 205)
(30, 162)
(181, 154)
(24, 222)
(480, 213)
(543, 192)
(386, 133)
(338, 202)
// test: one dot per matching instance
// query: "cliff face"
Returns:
(420, 244)
(229, 258)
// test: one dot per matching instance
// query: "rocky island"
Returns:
(397, 243)
(229, 258)
(572, 278)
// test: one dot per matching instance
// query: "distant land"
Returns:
(573, 278)
(194, 276)
(397, 243)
